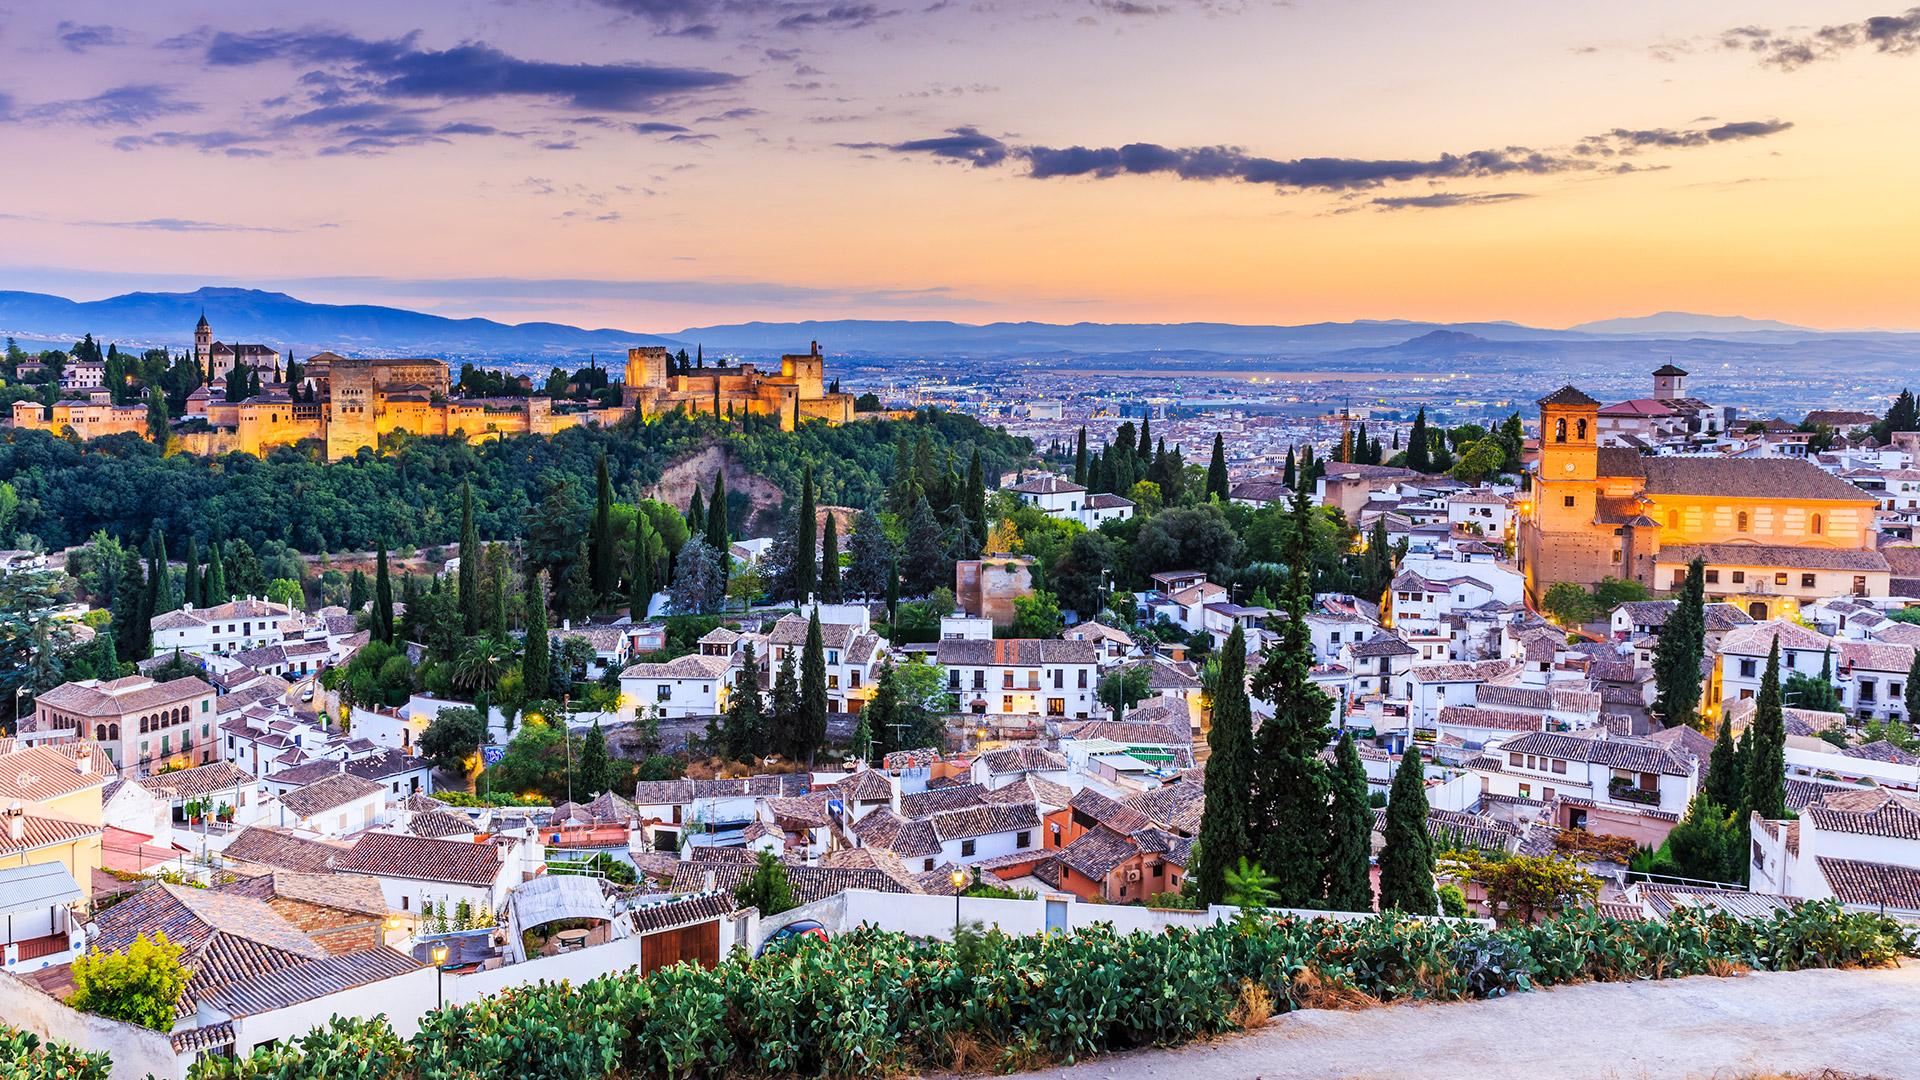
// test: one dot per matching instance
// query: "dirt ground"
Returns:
(1854, 1023)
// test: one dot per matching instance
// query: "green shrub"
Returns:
(24, 1056)
(878, 1003)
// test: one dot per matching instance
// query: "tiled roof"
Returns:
(119, 697)
(1023, 759)
(1098, 852)
(1775, 555)
(809, 883)
(1746, 478)
(39, 832)
(1115, 815)
(940, 800)
(344, 892)
(1872, 884)
(1500, 719)
(265, 846)
(684, 911)
(1460, 671)
(1630, 754)
(1757, 640)
(1047, 485)
(1031, 789)
(984, 821)
(323, 795)
(1177, 807)
(867, 785)
(422, 858)
(38, 773)
(691, 666)
(1475, 830)
(1016, 652)
(1882, 750)
(199, 781)
(1875, 656)
(1567, 395)
(1384, 644)
(1869, 812)
(317, 978)
(441, 824)
(193, 918)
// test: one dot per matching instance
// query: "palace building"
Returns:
(1773, 532)
(348, 403)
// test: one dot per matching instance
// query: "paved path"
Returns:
(1859, 1023)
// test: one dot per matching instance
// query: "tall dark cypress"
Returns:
(214, 589)
(1291, 477)
(1144, 449)
(1766, 780)
(830, 562)
(811, 727)
(536, 663)
(190, 583)
(1217, 470)
(1228, 786)
(640, 584)
(1682, 648)
(605, 552)
(382, 599)
(1418, 445)
(804, 538)
(130, 615)
(470, 611)
(977, 500)
(1406, 862)
(1723, 777)
(160, 578)
(696, 514)
(718, 535)
(1349, 877)
(1080, 458)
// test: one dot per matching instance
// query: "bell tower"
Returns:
(1569, 459)
(202, 342)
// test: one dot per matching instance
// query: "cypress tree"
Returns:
(357, 589)
(696, 514)
(830, 562)
(1723, 781)
(1349, 880)
(1291, 477)
(804, 538)
(497, 586)
(811, 728)
(1766, 780)
(190, 583)
(746, 730)
(382, 599)
(596, 771)
(1678, 654)
(160, 578)
(1406, 863)
(129, 610)
(785, 722)
(214, 591)
(717, 532)
(1417, 444)
(1217, 470)
(470, 619)
(536, 664)
(1144, 448)
(1228, 786)
(977, 501)
(606, 568)
(1080, 458)
(640, 586)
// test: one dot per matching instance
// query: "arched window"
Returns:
(1560, 430)
(113, 732)
(1819, 526)
(100, 733)
(1581, 429)
(1740, 521)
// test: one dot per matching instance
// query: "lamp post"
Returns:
(439, 955)
(959, 879)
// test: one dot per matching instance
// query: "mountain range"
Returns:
(149, 319)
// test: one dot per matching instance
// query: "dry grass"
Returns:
(1314, 990)
(1726, 969)
(970, 1053)
(1254, 1006)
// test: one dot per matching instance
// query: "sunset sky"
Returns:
(657, 164)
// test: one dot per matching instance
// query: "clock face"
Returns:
(1569, 466)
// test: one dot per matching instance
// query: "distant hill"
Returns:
(146, 320)
(1669, 323)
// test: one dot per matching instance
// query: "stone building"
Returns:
(1773, 532)
(797, 393)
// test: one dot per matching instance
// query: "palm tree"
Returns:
(481, 667)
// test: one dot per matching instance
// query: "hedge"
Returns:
(874, 1002)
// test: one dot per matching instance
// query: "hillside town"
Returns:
(1663, 658)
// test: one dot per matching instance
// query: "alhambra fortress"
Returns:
(350, 402)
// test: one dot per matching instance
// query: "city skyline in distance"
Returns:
(661, 166)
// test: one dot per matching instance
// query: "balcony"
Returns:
(1627, 791)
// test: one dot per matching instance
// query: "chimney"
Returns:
(706, 883)
(17, 822)
(83, 759)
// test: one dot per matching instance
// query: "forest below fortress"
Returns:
(409, 494)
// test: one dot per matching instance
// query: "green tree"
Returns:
(746, 731)
(596, 770)
(766, 888)
(1406, 862)
(1224, 842)
(1723, 780)
(881, 717)
(869, 554)
(1681, 649)
(1568, 604)
(1217, 471)
(1250, 886)
(1419, 455)
(1707, 844)
(784, 721)
(1765, 791)
(536, 663)
(471, 616)
(140, 986)
(1080, 458)
(718, 533)
(452, 736)
(830, 562)
(1349, 856)
(811, 730)
(357, 595)
(1037, 615)
(213, 589)
(1124, 688)
(382, 599)
(641, 582)
(804, 539)
(604, 551)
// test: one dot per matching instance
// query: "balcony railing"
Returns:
(1628, 792)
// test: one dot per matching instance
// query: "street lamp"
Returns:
(959, 879)
(439, 955)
